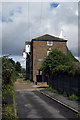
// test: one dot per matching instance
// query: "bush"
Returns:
(78, 114)
(58, 62)
(54, 59)
(73, 97)
(9, 112)
(52, 90)
(28, 81)
(18, 66)
(64, 93)
(7, 70)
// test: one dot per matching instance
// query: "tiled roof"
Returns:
(48, 37)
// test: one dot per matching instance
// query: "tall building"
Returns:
(37, 50)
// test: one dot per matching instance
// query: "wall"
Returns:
(40, 49)
(64, 82)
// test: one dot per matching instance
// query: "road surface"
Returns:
(32, 104)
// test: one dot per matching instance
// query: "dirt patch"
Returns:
(21, 85)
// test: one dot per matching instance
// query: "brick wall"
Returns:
(40, 49)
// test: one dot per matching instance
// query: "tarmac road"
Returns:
(32, 104)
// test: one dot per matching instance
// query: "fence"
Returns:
(64, 82)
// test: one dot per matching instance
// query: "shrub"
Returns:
(52, 90)
(28, 81)
(7, 70)
(58, 62)
(73, 97)
(78, 114)
(64, 93)
(9, 112)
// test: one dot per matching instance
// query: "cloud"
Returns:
(7, 20)
(30, 20)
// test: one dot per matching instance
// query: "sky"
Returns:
(22, 21)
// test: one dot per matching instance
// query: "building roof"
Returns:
(27, 42)
(48, 37)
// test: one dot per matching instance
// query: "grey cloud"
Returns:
(39, 20)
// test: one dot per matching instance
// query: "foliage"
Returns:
(71, 57)
(9, 76)
(23, 70)
(10, 70)
(54, 59)
(20, 81)
(8, 109)
(78, 114)
(52, 90)
(9, 112)
(7, 70)
(28, 81)
(8, 89)
(73, 97)
(58, 62)
(64, 93)
(18, 66)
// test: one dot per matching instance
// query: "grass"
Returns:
(64, 93)
(9, 112)
(8, 109)
(78, 114)
(52, 90)
(73, 97)
(8, 89)
(28, 81)
(20, 81)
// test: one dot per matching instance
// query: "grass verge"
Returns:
(8, 111)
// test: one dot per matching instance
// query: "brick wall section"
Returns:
(40, 49)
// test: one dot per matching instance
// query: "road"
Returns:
(32, 104)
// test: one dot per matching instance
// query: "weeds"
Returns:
(20, 81)
(64, 93)
(9, 112)
(73, 97)
(28, 81)
(78, 114)
(52, 90)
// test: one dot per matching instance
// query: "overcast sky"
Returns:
(25, 21)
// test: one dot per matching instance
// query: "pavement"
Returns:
(32, 104)
(65, 100)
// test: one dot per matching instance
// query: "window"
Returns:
(40, 60)
(49, 43)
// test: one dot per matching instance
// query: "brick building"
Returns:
(37, 50)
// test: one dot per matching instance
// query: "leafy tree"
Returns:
(71, 57)
(54, 59)
(7, 70)
(12, 61)
(18, 66)
(58, 62)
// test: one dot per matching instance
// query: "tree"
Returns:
(71, 57)
(7, 70)
(57, 61)
(18, 66)
(54, 59)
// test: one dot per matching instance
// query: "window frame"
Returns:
(49, 43)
